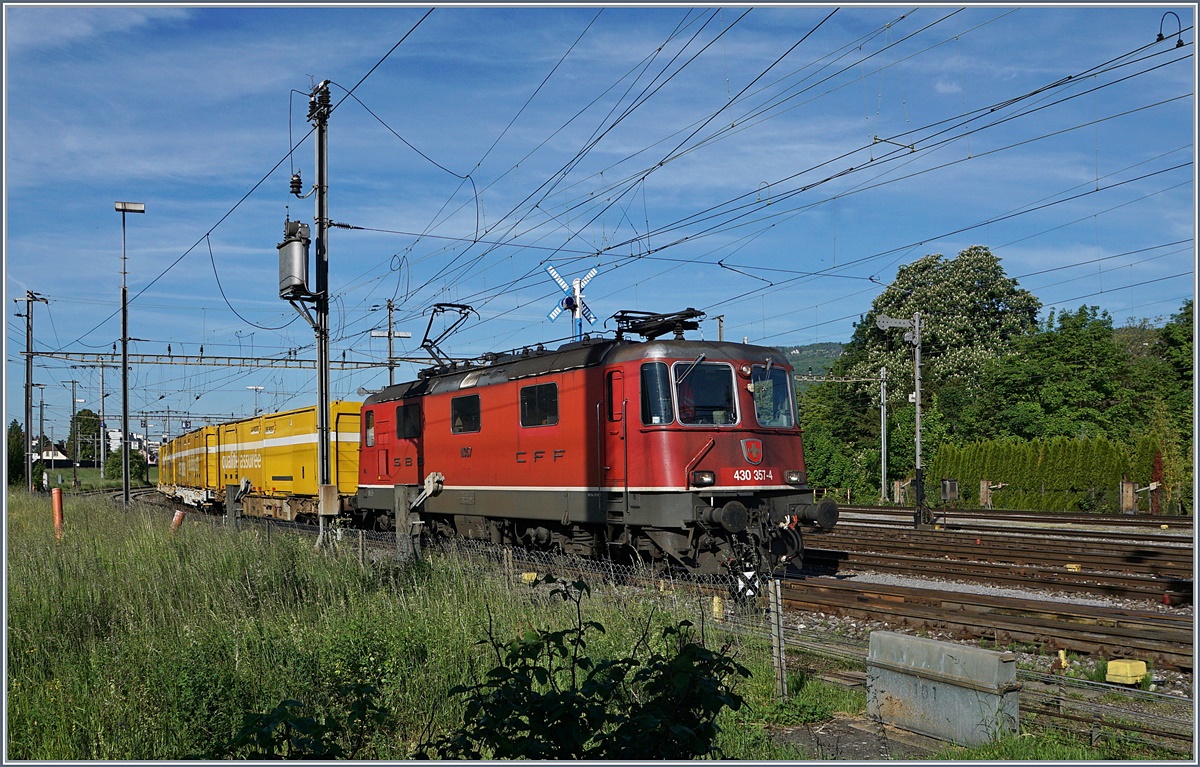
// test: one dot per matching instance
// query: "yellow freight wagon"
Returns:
(185, 471)
(271, 458)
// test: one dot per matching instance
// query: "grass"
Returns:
(89, 479)
(128, 642)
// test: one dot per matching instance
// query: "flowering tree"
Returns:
(971, 315)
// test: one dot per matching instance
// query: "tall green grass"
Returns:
(129, 642)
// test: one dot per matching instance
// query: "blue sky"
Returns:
(773, 165)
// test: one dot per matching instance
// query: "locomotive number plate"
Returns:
(754, 475)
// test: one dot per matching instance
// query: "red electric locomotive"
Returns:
(684, 452)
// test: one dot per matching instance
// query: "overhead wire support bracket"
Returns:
(302, 310)
(909, 147)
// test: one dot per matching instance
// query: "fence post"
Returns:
(778, 648)
(56, 503)
(362, 548)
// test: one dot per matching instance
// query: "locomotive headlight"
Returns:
(703, 479)
(794, 477)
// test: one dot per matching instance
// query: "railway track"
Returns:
(1153, 588)
(1164, 558)
(987, 518)
(1158, 568)
(1164, 639)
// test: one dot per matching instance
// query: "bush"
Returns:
(547, 699)
(139, 470)
(287, 733)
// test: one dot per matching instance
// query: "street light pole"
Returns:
(123, 208)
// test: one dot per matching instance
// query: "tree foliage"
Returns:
(992, 374)
(139, 470)
(87, 424)
(16, 453)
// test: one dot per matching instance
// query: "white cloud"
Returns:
(45, 27)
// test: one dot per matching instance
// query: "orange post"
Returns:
(177, 520)
(56, 504)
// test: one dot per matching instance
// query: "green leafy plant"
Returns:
(286, 732)
(548, 699)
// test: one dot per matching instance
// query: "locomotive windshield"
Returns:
(772, 397)
(704, 393)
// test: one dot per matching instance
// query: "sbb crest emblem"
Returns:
(752, 450)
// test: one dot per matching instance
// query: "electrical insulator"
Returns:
(296, 183)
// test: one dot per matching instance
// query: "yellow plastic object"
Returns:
(1126, 671)
(529, 577)
(1073, 568)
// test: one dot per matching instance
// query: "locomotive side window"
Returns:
(369, 429)
(539, 405)
(408, 421)
(656, 394)
(464, 414)
(773, 398)
(704, 392)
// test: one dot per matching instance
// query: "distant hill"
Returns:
(819, 357)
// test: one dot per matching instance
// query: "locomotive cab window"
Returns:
(464, 414)
(656, 394)
(539, 405)
(408, 421)
(705, 393)
(773, 398)
(369, 429)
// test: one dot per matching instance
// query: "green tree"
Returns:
(139, 470)
(1067, 379)
(16, 453)
(87, 424)
(971, 313)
